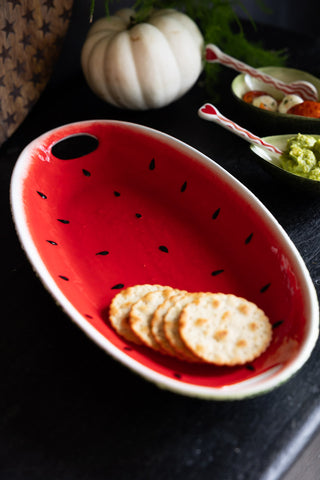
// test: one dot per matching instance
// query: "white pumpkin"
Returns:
(147, 65)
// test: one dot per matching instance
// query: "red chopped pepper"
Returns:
(306, 109)
(248, 97)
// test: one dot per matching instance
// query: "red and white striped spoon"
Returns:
(305, 89)
(212, 114)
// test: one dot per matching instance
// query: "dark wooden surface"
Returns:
(70, 412)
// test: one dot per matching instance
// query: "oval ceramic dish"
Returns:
(271, 162)
(243, 83)
(102, 205)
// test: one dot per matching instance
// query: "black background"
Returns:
(68, 411)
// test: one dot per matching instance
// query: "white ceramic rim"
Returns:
(255, 386)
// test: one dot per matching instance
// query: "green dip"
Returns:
(302, 156)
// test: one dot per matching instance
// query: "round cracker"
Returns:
(224, 329)
(171, 326)
(120, 308)
(142, 312)
(157, 325)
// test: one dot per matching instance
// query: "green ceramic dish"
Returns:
(271, 162)
(243, 83)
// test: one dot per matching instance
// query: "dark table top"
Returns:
(68, 410)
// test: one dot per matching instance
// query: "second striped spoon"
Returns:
(211, 113)
(306, 90)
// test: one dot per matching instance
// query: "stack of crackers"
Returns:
(215, 328)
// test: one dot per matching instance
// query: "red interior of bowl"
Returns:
(141, 208)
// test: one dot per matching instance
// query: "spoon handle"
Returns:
(305, 89)
(211, 113)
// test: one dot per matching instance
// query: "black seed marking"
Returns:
(42, 195)
(86, 173)
(248, 239)
(88, 316)
(138, 215)
(184, 186)
(129, 349)
(64, 278)
(116, 194)
(217, 272)
(177, 375)
(250, 367)
(52, 242)
(63, 221)
(277, 324)
(117, 286)
(215, 214)
(163, 248)
(265, 288)
(103, 252)
(152, 164)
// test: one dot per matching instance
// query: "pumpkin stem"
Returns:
(143, 13)
(132, 22)
(140, 17)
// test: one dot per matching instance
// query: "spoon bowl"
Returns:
(270, 161)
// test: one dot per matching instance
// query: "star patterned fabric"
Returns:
(31, 36)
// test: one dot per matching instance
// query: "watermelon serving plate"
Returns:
(102, 205)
